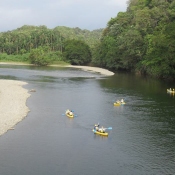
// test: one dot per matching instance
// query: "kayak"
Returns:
(100, 133)
(170, 91)
(69, 113)
(70, 116)
(118, 104)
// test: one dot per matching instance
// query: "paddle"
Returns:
(108, 128)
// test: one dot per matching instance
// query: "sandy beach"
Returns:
(12, 104)
(94, 69)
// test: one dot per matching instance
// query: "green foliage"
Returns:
(23, 41)
(39, 57)
(55, 56)
(143, 39)
(105, 53)
(14, 58)
(77, 52)
(89, 37)
(159, 60)
(26, 38)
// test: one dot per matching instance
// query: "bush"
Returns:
(39, 57)
(77, 52)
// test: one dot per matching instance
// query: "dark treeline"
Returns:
(141, 40)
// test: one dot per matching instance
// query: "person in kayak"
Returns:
(102, 129)
(118, 101)
(122, 101)
(96, 126)
(69, 112)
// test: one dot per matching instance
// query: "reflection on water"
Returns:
(142, 140)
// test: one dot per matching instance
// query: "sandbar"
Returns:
(85, 68)
(13, 107)
(94, 69)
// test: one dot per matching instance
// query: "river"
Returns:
(46, 142)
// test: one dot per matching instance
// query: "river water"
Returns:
(46, 142)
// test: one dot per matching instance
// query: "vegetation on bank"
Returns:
(42, 46)
(139, 40)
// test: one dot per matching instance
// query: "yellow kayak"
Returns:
(69, 114)
(171, 91)
(100, 133)
(118, 104)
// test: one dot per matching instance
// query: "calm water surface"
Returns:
(46, 142)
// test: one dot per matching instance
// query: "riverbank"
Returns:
(94, 69)
(12, 104)
(85, 68)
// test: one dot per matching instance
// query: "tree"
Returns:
(77, 52)
(39, 57)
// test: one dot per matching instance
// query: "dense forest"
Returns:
(140, 40)
(42, 46)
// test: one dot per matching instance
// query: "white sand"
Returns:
(94, 69)
(12, 104)
(85, 68)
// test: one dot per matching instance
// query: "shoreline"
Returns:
(13, 107)
(94, 69)
(85, 68)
